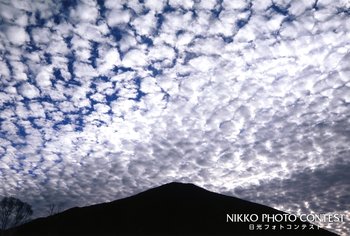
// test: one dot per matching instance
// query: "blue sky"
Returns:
(103, 99)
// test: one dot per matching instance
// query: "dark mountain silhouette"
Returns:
(171, 209)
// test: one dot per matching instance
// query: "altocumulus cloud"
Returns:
(102, 99)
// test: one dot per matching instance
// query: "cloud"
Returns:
(203, 63)
(16, 35)
(134, 58)
(101, 101)
(29, 91)
(86, 11)
(118, 17)
(110, 60)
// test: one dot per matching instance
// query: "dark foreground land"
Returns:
(171, 209)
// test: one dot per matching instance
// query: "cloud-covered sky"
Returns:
(103, 99)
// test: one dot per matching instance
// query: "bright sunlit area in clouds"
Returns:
(103, 99)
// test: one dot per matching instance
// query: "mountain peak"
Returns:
(176, 183)
(180, 185)
(172, 209)
(175, 190)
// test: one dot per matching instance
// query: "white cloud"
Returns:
(101, 108)
(37, 110)
(84, 70)
(162, 52)
(187, 4)
(109, 60)
(206, 5)
(43, 78)
(16, 35)
(155, 6)
(149, 85)
(203, 63)
(41, 35)
(85, 12)
(117, 17)
(134, 58)
(236, 5)
(29, 91)
(145, 24)
(5, 72)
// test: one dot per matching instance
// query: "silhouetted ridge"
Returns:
(175, 189)
(171, 209)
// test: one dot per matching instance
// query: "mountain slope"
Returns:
(171, 209)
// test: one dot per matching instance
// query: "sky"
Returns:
(100, 100)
